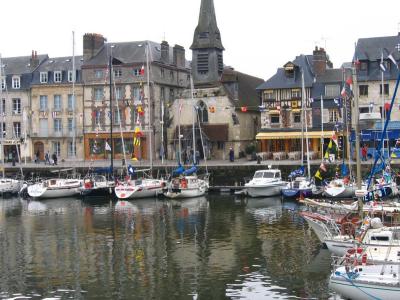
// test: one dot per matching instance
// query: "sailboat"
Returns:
(299, 185)
(142, 187)
(186, 183)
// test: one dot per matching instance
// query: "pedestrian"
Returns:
(37, 156)
(364, 151)
(13, 158)
(231, 154)
(47, 158)
(54, 156)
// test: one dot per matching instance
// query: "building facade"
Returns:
(56, 109)
(16, 77)
(145, 79)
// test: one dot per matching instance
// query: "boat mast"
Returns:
(193, 121)
(305, 121)
(73, 96)
(149, 127)
(383, 107)
(111, 113)
(2, 113)
(357, 128)
(322, 128)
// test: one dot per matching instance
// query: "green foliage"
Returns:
(250, 149)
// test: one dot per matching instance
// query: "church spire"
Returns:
(207, 34)
(207, 57)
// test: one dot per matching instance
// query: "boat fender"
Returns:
(184, 183)
(364, 259)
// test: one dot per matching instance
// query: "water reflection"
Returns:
(205, 248)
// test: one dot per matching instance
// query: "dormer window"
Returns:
(289, 70)
(44, 77)
(16, 82)
(57, 76)
(71, 76)
(117, 73)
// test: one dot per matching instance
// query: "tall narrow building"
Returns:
(207, 57)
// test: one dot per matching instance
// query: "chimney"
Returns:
(179, 56)
(92, 43)
(164, 52)
(33, 61)
(319, 61)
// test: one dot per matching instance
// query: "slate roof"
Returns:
(281, 81)
(63, 64)
(128, 53)
(20, 64)
(246, 86)
(331, 76)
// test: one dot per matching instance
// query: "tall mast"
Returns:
(383, 107)
(149, 127)
(111, 113)
(357, 128)
(302, 120)
(193, 121)
(2, 113)
(305, 121)
(322, 128)
(73, 96)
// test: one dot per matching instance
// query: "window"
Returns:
(57, 76)
(274, 119)
(220, 63)
(202, 112)
(136, 72)
(363, 66)
(97, 117)
(269, 95)
(16, 102)
(70, 125)
(171, 94)
(332, 90)
(3, 83)
(385, 89)
(220, 145)
(202, 62)
(162, 72)
(117, 73)
(296, 118)
(3, 107)
(71, 102)
(17, 129)
(364, 110)
(117, 118)
(333, 115)
(57, 148)
(136, 93)
(16, 82)
(171, 74)
(71, 76)
(43, 127)
(98, 74)
(71, 149)
(44, 77)
(119, 93)
(162, 93)
(57, 125)
(43, 103)
(3, 128)
(57, 103)
(296, 93)
(363, 90)
(98, 94)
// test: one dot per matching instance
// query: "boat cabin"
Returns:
(270, 174)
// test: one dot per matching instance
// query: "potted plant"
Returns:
(250, 151)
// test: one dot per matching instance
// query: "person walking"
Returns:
(47, 158)
(364, 151)
(231, 155)
(37, 157)
(54, 157)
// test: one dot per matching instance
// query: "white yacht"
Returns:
(96, 185)
(265, 183)
(55, 188)
(186, 187)
(10, 186)
(139, 188)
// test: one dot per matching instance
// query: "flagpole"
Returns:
(383, 105)
(73, 96)
(111, 113)
(149, 127)
(357, 128)
(322, 128)
(179, 132)
(305, 124)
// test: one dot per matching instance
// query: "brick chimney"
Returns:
(92, 43)
(164, 52)
(34, 60)
(319, 61)
(179, 56)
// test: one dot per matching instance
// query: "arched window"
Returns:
(202, 111)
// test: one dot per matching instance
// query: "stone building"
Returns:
(146, 78)
(56, 114)
(223, 104)
(16, 76)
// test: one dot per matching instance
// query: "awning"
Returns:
(281, 135)
(274, 112)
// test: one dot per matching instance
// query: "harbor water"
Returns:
(214, 247)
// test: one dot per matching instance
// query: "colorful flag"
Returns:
(244, 108)
(141, 72)
(382, 65)
(107, 146)
(335, 139)
(390, 56)
(343, 92)
(318, 175)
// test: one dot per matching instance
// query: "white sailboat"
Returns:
(55, 188)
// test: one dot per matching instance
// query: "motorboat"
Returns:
(300, 186)
(139, 188)
(55, 188)
(265, 183)
(96, 185)
(185, 187)
(366, 281)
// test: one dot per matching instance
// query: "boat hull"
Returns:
(184, 193)
(294, 193)
(127, 191)
(340, 192)
(46, 193)
(264, 191)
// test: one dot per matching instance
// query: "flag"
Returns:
(343, 92)
(330, 145)
(322, 167)
(349, 81)
(107, 146)
(140, 110)
(131, 170)
(244, 108)
(318, 175)
(54, 114)
(382, 65)
(390, 56)
(141, 72)
(335, 140)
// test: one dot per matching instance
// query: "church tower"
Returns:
(207, 58)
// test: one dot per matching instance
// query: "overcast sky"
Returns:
(258, 35)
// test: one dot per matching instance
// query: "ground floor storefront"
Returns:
(98, 146)
(65, 148)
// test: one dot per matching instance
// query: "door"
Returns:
(38, 146)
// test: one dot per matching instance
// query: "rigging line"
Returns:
(201, 139)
